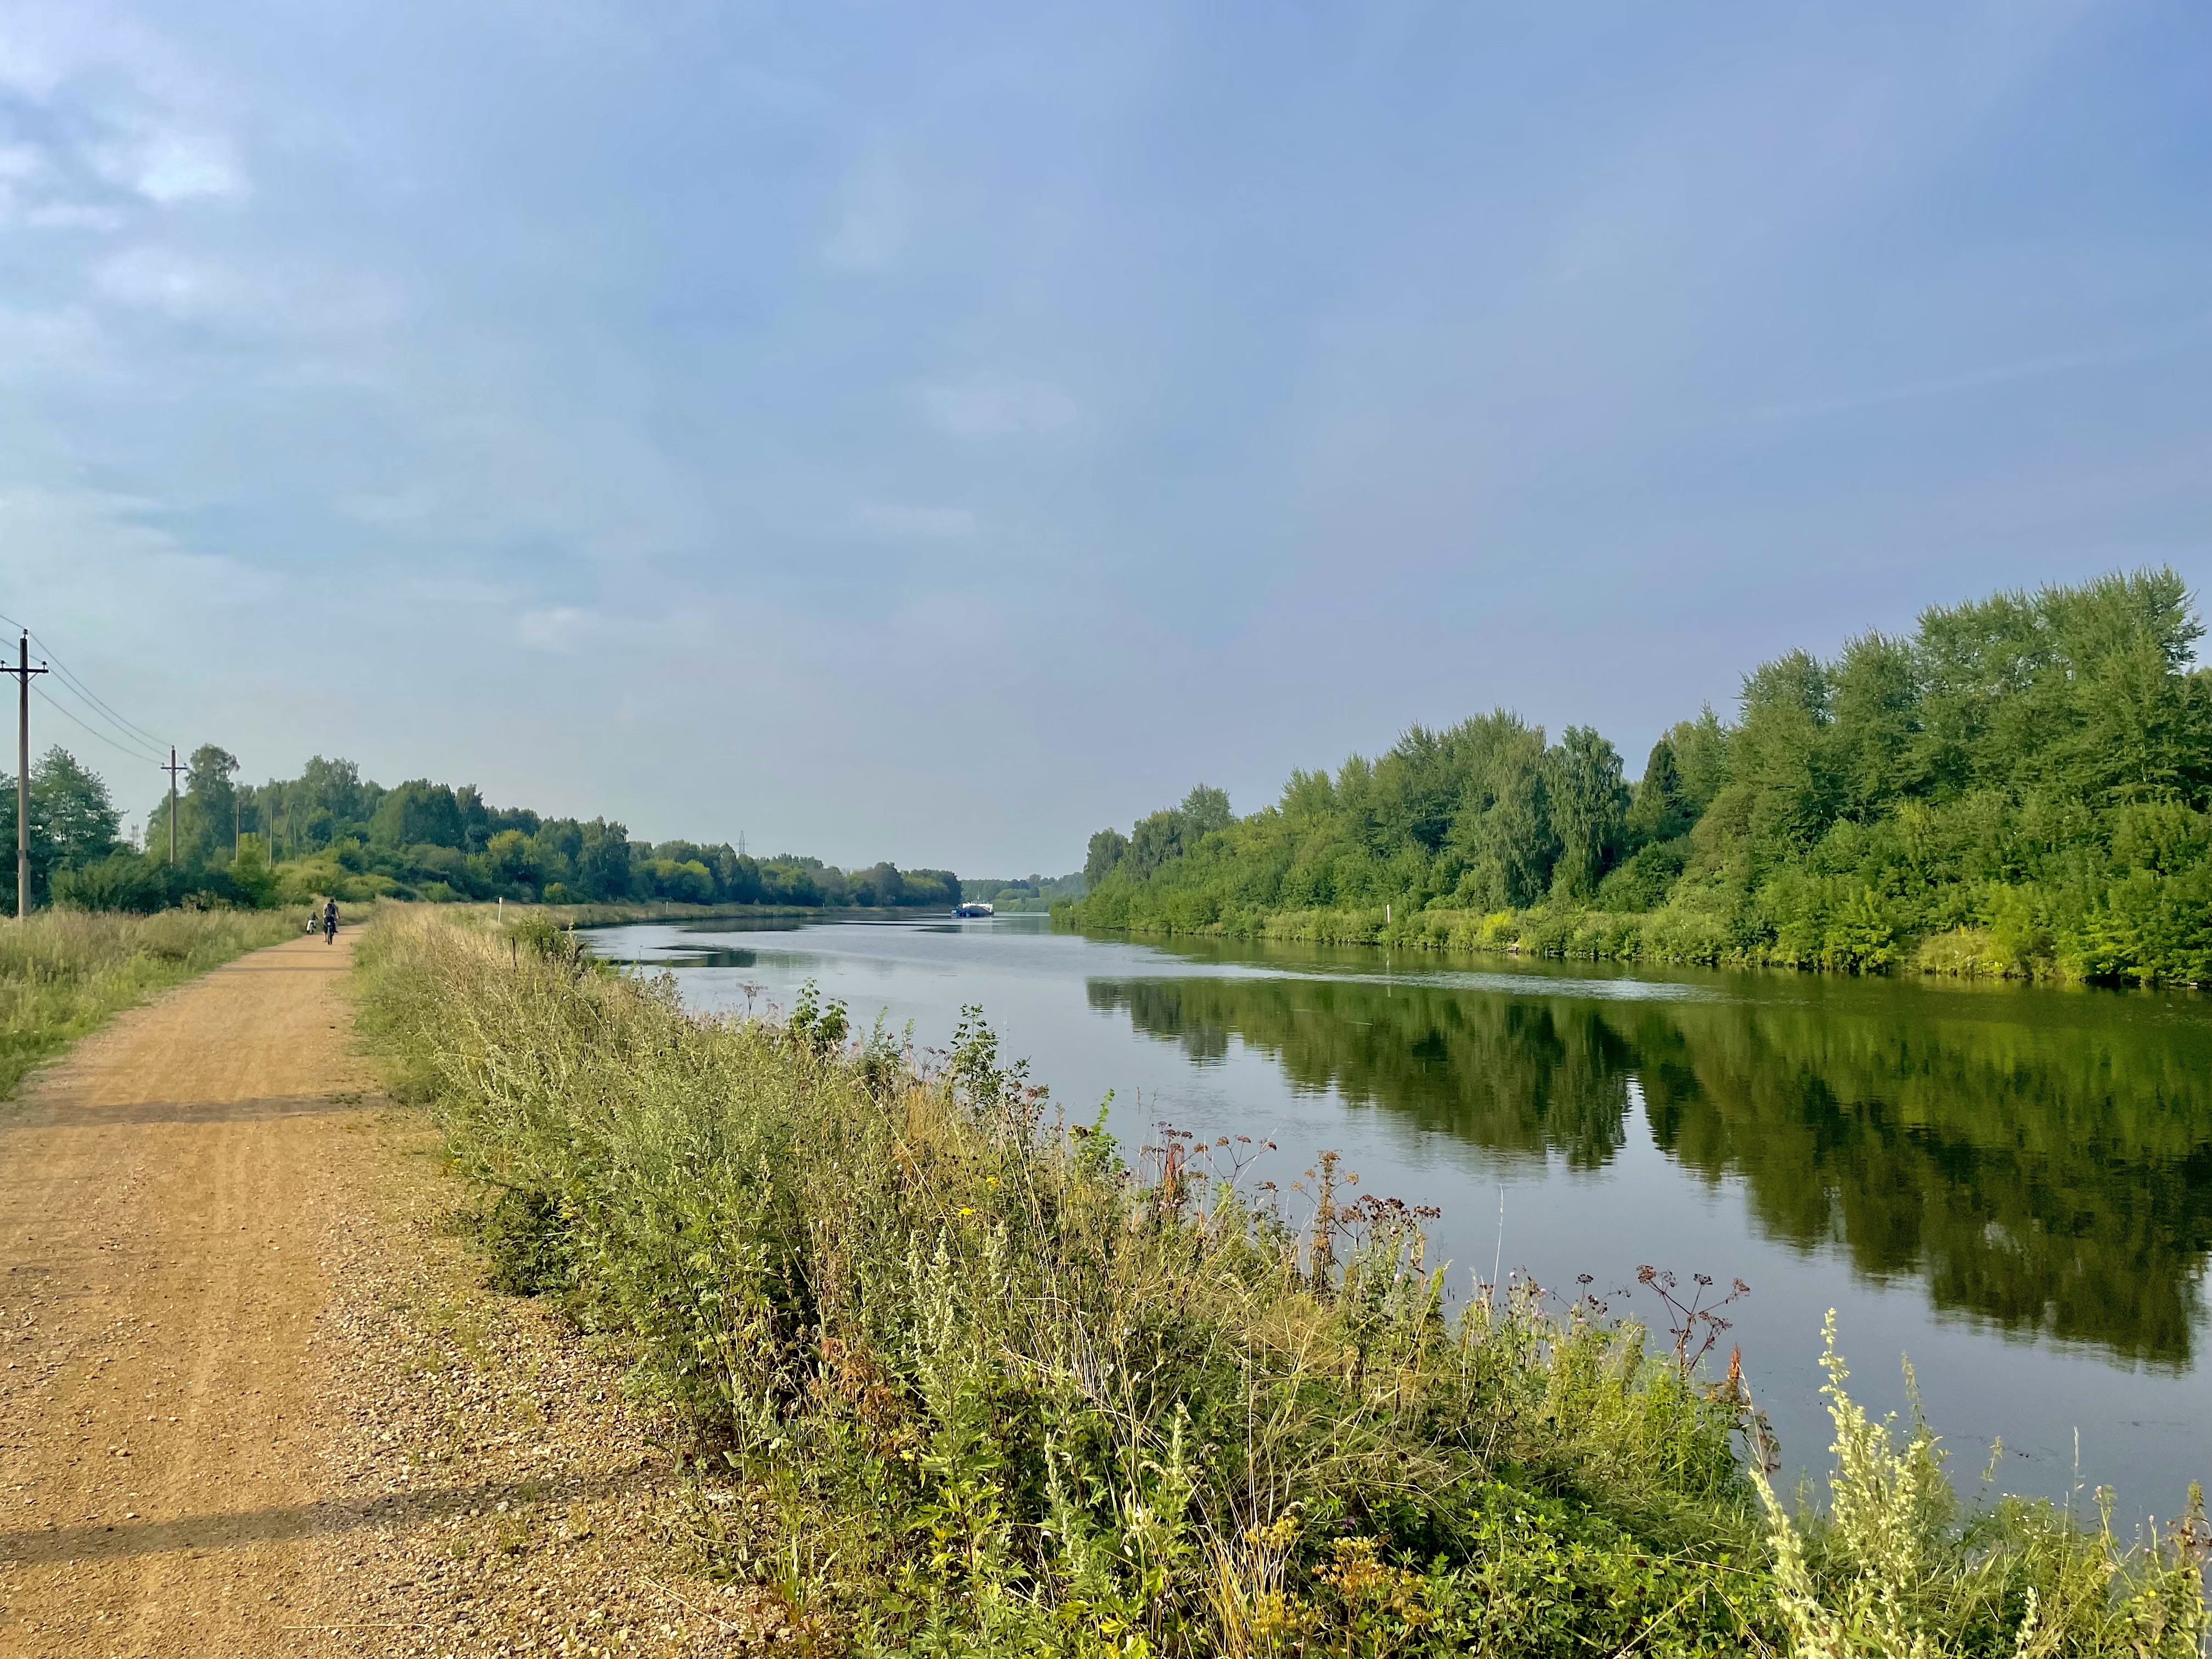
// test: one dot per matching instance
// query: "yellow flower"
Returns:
(965, 1210)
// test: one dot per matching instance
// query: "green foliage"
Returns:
(330, 832)
(1044, 1403)
(2020, 787)
(73, 823)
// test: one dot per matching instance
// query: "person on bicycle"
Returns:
(330, 921)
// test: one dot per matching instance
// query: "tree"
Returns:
(602, 861)
(1780, 756)
(327, 800)
(1205, 810)
(73, 823)
(1154, 840)
(205, 815)
(1108, 848)
(508, 859)
(1660, 809)
(72, 811)
(418, 813)
(1589, 810)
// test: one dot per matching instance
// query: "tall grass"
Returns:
(64, 973)
(985, 1389)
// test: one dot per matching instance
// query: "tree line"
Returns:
(330, 831)
(2020, 786)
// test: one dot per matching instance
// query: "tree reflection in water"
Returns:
(2040, 1159)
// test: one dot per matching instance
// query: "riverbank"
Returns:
(1046, 1402)
(1678, 935)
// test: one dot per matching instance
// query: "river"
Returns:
(2011, 1185)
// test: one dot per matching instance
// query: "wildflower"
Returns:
(965, 1210)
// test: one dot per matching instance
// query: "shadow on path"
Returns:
(227, 1530)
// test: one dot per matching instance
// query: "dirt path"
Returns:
(255, 1397)
(163, 1193)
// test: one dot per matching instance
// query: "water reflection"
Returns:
(2041, 1161)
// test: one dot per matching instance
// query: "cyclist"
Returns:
(330, 921)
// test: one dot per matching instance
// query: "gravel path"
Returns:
(255, 1399)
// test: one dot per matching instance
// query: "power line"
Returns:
(93, 697)
(129, 727)
(40, 692)
(131, 730)
(126, 738)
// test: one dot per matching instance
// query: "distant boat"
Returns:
(972, 908)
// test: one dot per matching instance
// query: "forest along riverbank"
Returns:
(2002, 1183)
(2021, 787)
(1043, 1400)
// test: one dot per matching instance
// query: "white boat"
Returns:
(971, 907)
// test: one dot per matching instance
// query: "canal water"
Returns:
(2012, 1187)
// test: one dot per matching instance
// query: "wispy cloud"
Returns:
(894, 522)
(164, 280)
(277, 297)
(559, 629)
(168, 166)
(989, 408)
(874, 224)
(2195, 337)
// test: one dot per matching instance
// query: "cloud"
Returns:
(894, 522)
(167, 166)
(280, 298)
(2193, 338)
(560, 627)
(997, 409)
(37, 343)
(160, 279)
(73, 215)
(873, 228)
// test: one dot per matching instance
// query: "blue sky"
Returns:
(936, 432)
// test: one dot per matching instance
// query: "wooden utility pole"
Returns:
(22, 671)
(172, 768)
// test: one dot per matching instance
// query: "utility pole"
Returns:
(22, 671)
(172, 768)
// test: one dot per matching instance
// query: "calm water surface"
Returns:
(2012, 1187)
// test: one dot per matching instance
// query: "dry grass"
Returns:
(64, 973)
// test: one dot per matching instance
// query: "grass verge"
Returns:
(960, 1380)
(66, 973)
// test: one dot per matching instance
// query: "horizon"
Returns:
(937, 439)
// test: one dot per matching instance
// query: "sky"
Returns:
(938, 432)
